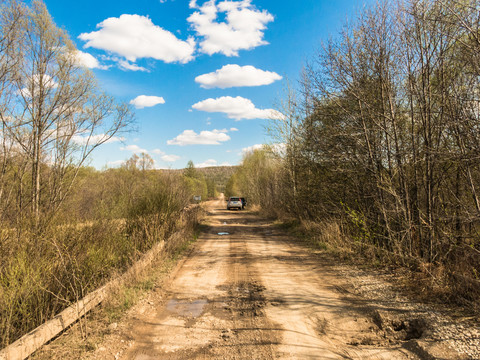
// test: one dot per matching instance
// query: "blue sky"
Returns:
(204, 76)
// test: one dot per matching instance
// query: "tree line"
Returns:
(382, 138)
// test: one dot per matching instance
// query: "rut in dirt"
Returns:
(253, 293)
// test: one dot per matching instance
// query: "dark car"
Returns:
(244, 202)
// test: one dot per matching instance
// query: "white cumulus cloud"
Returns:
(38, 83)
(136, 37)
(171, 158)
(190, 137)
(95, 139)
(207, 163)
(237, 108)
(278, 148)
(128, 66)
(242, 29)
(88, 60)
(143, 101)
(251, 149)
(234, 75)
(134, 149)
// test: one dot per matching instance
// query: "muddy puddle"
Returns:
(187, 308)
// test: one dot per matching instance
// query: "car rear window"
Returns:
(234, 199)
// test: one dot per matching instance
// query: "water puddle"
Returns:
(223, 233)
(186, 308)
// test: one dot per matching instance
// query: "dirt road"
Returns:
(249, 293)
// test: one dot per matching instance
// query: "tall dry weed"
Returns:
(45, 270)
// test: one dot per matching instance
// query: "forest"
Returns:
(378, 153)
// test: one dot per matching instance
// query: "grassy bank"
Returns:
(86, 335)
(45, 270)
(427, 281)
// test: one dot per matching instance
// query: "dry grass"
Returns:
(86, 335)
(43, 272)
(454, 283)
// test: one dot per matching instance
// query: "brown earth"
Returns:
(254, 294)
(247, 291)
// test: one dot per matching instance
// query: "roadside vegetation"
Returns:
(216, 177)
(378, 151)
(66, 228)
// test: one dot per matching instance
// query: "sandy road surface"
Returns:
(252, 294)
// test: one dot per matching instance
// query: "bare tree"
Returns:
(11, 36)
(383, 135)
(59, 115)
(284, 131)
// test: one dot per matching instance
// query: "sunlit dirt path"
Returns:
(253, 294)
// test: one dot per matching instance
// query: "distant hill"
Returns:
(219, 174)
